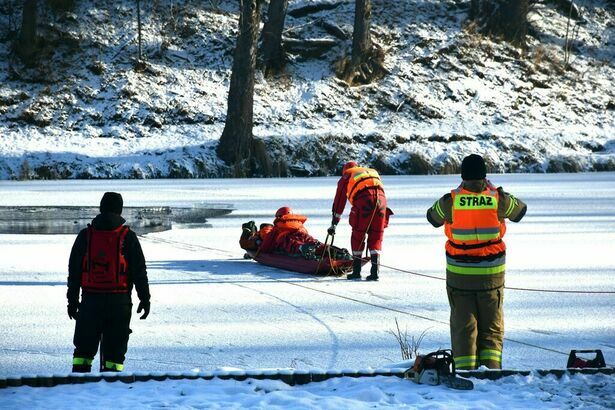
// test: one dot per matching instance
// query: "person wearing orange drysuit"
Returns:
(289, 235)
(474, 216)
(369, 215)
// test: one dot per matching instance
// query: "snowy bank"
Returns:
(514, 392)
(86, 113)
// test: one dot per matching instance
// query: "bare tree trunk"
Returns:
(501, 18)
(474, 9)
(140, 54)
(361, 38)
(27, 41)
(61, 5)
(367, 58)
(236, 141)
(140, 64)
(11, 17)
(273, 54)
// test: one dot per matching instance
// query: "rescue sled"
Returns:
(326, 266)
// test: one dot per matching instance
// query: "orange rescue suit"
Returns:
(282, 227)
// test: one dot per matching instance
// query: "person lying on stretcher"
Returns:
(286, 235)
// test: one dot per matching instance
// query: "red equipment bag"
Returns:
(104, 264)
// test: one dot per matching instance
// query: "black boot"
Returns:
(373, 273)
(82, 368)
(356, 268)
(308, 251)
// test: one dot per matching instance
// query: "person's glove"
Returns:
(249, 227)
(144, 306)
(73, 310)
(331, 230)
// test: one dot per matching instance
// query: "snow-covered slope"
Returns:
(85, 112)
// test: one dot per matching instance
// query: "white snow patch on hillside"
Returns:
(449, 92)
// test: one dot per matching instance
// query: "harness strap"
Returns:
(474, 246)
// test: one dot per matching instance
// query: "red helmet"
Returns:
(348, 165)
(285, 210)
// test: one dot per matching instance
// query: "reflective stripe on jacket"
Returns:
(475, 252)
(361, 178)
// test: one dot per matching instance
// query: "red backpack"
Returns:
(104, 264)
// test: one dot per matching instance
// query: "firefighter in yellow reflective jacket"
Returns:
(473, 216)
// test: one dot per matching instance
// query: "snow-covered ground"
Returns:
(586, 392)
(211, 309)
(86, 113)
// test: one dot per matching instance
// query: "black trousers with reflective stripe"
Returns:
(106, 316)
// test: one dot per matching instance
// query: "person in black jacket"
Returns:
(105, 262)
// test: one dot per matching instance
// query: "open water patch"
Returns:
(71, 219)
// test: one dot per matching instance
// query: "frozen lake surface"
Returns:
(212, 309)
